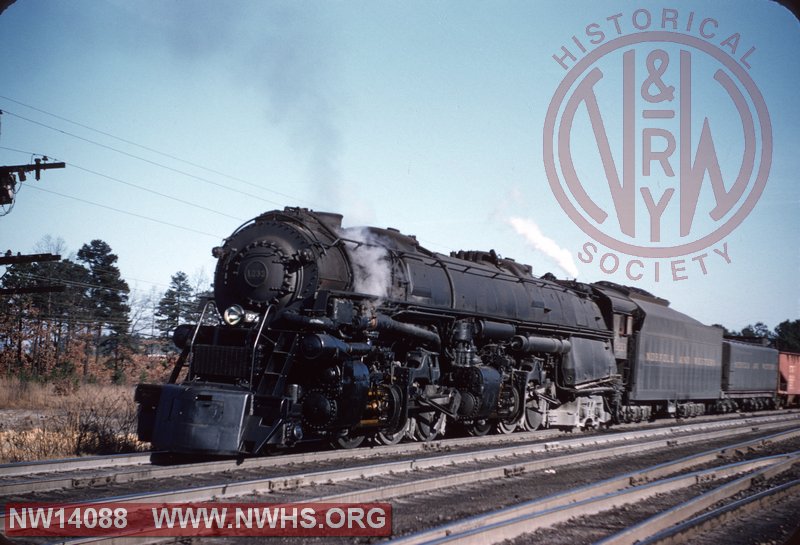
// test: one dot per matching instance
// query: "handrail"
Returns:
(197, 329)
(255, 343)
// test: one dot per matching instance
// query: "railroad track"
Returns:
(82, 473)
(44, 467)
(72, 464)
(435, 472)
(679, 523)
(629, 488)
(42, 476)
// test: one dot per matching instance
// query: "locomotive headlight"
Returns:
(233, 315)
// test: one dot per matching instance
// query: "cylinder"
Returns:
(384, 323)
(530, 344)
(495, 331)
(317, 345)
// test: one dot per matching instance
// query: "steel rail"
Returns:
(40, 467)
(563, 507)
(73, 464)
(757, 502)
(288, 482)
(471, 477)
(558, 508)
(27, 486)
(560, 500)
(647, 530)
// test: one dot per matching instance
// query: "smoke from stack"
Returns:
(534, 236)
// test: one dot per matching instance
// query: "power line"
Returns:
(100, 174)
(73, 314)
(56, 321)
(155, 163)
(136, 186)
(154, 192)
(140, 216)
(134, 334)
(152, 150)
(108, 269)
(23, 151)
(117, 270)
(20, 259)
(147, 148)
(74, 283)
(131, 292)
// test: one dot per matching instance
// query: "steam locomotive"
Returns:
(319, 332)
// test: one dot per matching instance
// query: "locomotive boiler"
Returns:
(343, 334)
(319, 332)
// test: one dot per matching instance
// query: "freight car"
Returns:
(338, 334)
(789, 385)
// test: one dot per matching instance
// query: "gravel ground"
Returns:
(778, 526)
(411, 514)
(757, 529)
(433, 509)
(242, 474)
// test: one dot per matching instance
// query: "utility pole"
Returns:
(9, 259)
(13, 175)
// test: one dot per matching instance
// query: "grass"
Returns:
(45, 421)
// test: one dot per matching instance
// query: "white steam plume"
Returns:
(371, 264)
(534, 236)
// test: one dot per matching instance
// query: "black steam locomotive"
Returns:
(341, 334)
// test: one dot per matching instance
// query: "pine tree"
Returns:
(108, 307)
(787, 335)
(40, 331)
(177, 306)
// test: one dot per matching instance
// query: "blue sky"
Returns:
(424, 116)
